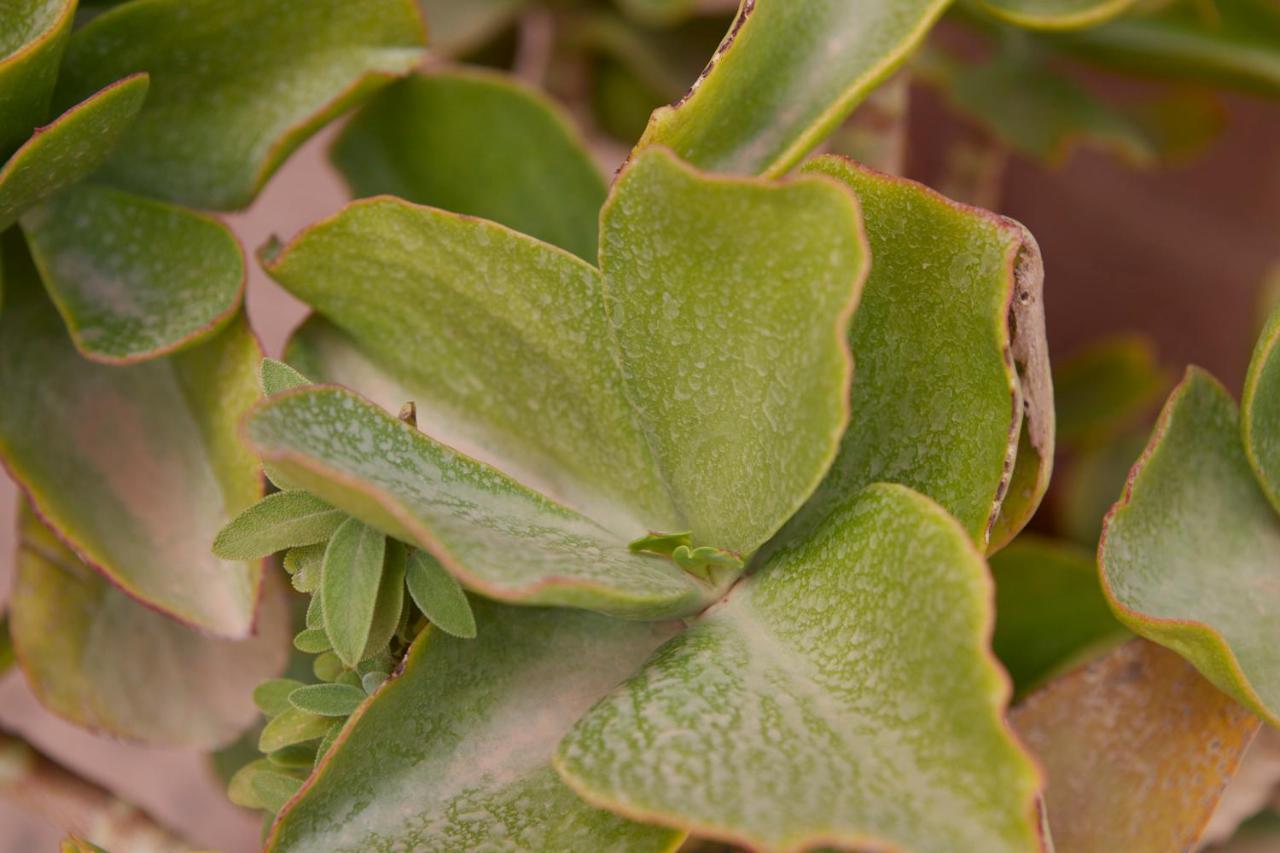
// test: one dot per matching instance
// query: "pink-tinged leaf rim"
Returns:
(1001, 697)
(1263, 354)
(421, 535)
(62, 21)
(1100, 13)
(1142, 623)
(208, 329)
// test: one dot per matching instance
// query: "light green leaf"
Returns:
(312, 641)
(278, 521)
(786, 74)
(33, 35)
(276, 376)
(481, 144)
(1056, 14)
(1050, 610)
(70, 147)
(455, 28)
(482, 780)
(239, 84)
(349, 586)
(134, 278)
(1137, 748)
(1191, 552)
(260, 785)
(315, 612)
(327, 667)
(438, 595)
(136, 467)
(1106, 387)
(707, 284)
(96, 657)
(1260, 410)
(304, 565)
(494, 535)
(272, 697)
(802, 713)
(327, 700)
(1233, 43)
(292, 726)
(942, 379)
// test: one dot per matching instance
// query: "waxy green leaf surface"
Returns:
(1136, 747)
(1050, 610)
(132, 277)
(1190, 555)
(1056, 14)
(800, 713)
(1260, 410)
(137, 467)
(610, 391)
(480, 144)
(33, 34)
(70, 147)
(785, 75)
(941, 383)
(237, 84)
(495, 535)
(98, 658)
(454, 752)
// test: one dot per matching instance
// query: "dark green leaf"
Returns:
(1106, 387)
(33, 34)
(295, 756)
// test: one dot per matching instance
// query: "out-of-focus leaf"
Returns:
(785, 75)
(438, 595)
(277, 522)
(101, 660)
(1050, 610)
(1056, 14)
(262, 785)
(1087, 488)
(491, 533)
(659, 13)
(33, 34)
(1260, 410)
(1106, 387)
(483, 780)
(457, 27)
(327, 700)
(1042, 113)
(800, 713)
(1137, 748)
(237, 84)
(480, 144)
(1190, 555)
(1232, 43)
(6, 644)
(580, 382)
(942, 381)
(292, 726)
(276, 376)
(134, 278)
(136, 467)
(70, 147)
(272, 697)
(1251, 790)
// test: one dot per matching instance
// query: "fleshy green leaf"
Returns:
(456, 28)
(800, 713)
(491, 533)
(786, 74)
(1190, 553)
(1050, 610)
(292, 726)
(1056, 14)
(327, 700)
(272, 697)
(438, 595)
(482, 780)
(276, 376)
(33, 35)
(96, 657)
(1260, 410)
(239, 84)
(134, 278)
(279, 521)
(942, 380)
(70, 147)
(1229, 42)
(1137, 748)
(136, 467)
(707, 284)
(349, 585)
(1106, 387)
(481, 144)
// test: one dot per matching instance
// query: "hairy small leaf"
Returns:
(327, 700)
(438, 595)
(352, 574)
(278, 522)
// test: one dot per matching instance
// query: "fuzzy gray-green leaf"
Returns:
(349, 587)
(277, 522)
(439, 595)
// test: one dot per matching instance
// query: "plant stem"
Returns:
(75, 805)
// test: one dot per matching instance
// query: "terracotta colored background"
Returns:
(1177, 253)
